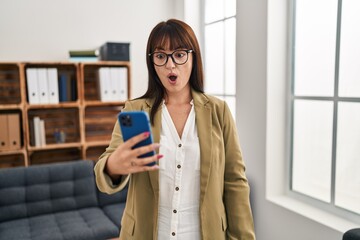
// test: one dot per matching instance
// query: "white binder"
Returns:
(32, 86)
(123, 73)
(43, 85)
(53, 85)
(114, 84)
(104, 84)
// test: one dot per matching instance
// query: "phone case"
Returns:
(134, 123)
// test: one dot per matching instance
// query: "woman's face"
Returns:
(174, 77)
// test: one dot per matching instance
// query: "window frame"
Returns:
(335, 99)
(204, 24)
(278, 98)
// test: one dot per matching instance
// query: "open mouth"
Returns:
(172, 78)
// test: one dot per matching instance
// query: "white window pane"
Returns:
(214, 10)
(231, 102)
(214, 58)
(349, 70)
(230, 57)
(312, 148)
(315, 45)
(347, 186)
(230, 8)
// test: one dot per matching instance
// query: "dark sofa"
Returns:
(57, 201)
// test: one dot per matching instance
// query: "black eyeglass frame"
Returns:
(171, 55)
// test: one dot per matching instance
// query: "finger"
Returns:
(136, 139)
(145, 168)
(148, 160)
(145, 149)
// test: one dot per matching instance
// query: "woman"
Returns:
(199, 189)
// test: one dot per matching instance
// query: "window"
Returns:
(325, 99)
(219, 54)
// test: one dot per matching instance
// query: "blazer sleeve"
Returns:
(236, 187)
(103, 180)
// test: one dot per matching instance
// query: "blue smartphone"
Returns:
(134, 123)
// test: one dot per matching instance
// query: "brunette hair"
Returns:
(176, 34)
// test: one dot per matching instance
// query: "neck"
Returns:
(178, 98)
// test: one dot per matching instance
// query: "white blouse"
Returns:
(179, 179)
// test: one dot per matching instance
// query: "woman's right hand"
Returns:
(125, 160)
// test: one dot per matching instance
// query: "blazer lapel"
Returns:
(204, 128)
(154, 175)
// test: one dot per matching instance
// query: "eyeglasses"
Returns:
(179, 57)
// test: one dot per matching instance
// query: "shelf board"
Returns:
(103, 63)
(11, 152)
(100, 103)
(11, 106)
(96, 144)
(54, 146)
(57, 105)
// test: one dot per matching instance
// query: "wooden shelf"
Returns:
(54, 146)
(11, 107)
(99, 103)
(53, 106)
(84, 120)
(96, 143)
(12, 152)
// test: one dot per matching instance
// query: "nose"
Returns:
(170, 62)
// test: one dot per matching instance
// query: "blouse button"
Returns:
(173, 233)
(179, 166)
(174, 211)
(177, 188)
(179, 145)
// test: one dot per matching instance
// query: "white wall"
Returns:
(271, 221)
(42, 30)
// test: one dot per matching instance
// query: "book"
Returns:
(63, 88)
(37, 133)
(83, 59)
(42, 132)
(84, 53)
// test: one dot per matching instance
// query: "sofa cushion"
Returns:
(89, 223)
(107, 199)
(115, 212)
(46, 189)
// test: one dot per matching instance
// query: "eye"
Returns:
(179, 54)
(160, 55)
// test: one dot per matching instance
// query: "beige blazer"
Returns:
(225, 211)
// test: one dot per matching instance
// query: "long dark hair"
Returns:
(178, 35)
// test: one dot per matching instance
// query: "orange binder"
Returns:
(14, 131)
(4, 135)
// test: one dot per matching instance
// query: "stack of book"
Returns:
(47, 86)
(91, 55)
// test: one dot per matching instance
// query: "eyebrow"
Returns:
(161, 49)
